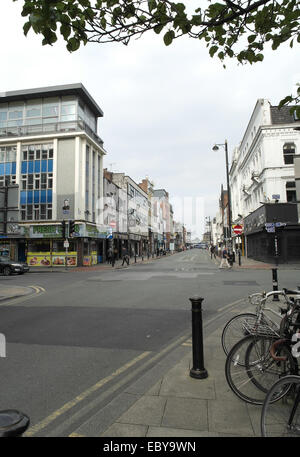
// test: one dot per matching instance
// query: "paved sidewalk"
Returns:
(181, 406)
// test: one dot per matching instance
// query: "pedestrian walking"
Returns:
(125, 257)
(224, 259)
(213, 251)
(109, 255)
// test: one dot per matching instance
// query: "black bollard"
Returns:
(239, 253)
(13, 423)
(135, 257)
(198, 371)
(275, 283)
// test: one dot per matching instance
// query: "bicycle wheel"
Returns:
(234, 330)
(262, 369)
(282, 418)
(250, 372)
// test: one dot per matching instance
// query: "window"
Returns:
(289, 151)
(291, 191)
(36, 182)
(8, 156)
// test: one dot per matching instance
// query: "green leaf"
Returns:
(73, 44)
(251, 38)
(158, 28)
(168, 37)
(26, 27)
(213, 50)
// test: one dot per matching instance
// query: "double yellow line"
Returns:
(67, 406)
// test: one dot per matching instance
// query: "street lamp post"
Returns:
(216, 148)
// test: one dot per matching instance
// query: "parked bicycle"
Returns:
(250, 368)
(280, 415)
(236, 328)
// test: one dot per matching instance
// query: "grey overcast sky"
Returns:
(164, 107)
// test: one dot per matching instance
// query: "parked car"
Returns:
(8, 266)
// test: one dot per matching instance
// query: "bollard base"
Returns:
(198, 374)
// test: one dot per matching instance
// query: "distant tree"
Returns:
(237, 29)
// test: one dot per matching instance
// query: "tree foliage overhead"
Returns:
(238, 29)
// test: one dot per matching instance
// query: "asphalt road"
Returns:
(71, 349)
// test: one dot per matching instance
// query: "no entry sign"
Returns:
(238, 229)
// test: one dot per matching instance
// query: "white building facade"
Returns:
(50, 148)
(262, 173)
(262, 168)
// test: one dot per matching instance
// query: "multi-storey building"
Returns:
(49, 146)
(135, 236)
(148, 187)
(262, 173)
(161, 196)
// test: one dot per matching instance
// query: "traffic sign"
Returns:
(270, 229)
(238, 229)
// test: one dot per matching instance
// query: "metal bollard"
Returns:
(239, 254)
(275, 283)
(134, 258)
(13, 423)
(198, 371)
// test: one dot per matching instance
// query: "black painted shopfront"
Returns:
(260, 244)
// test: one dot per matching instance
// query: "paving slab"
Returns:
(186, 413)
(225, 416)
(118, 430)
(146, 411)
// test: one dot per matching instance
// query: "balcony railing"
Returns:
(55, 127)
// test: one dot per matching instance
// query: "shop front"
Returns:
(44, 245)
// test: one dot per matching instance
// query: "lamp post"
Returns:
(216, 148)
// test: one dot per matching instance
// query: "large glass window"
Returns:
(8, 156)
(36, 181)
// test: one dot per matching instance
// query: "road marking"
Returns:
(38, 289)
(93, 403)
(39, 426)
(230, 304)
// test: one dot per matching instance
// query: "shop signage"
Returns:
(45, 231)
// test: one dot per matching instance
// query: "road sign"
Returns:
(280, 224)
(270, 229)
(113, 224)
(238, 229)
(276, 197)
(66, 244)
